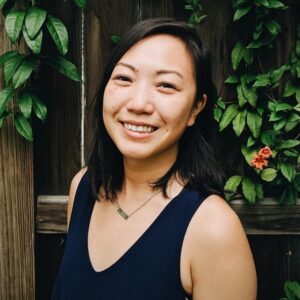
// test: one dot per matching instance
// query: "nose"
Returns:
(140, 99)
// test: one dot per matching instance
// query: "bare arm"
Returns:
(74, 184)
(222, 265)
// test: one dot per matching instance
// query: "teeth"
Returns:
(139, 128)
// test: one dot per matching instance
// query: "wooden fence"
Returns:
(61, 147)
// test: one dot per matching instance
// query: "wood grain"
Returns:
(266, 218)
(17, 261)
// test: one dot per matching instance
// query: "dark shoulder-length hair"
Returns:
(196, 163)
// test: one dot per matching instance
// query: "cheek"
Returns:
(110, 99)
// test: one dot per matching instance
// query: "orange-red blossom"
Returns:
(260, 160)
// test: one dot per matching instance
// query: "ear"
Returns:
(196, 110)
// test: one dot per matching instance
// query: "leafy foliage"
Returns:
(197, 16)
(260, 115)
(291, 290)
(17, 100)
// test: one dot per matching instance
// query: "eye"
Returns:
(167, 85)
(123, 78)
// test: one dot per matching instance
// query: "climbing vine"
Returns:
(266, 112)
(25, 20)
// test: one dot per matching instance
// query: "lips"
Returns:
(139, 127)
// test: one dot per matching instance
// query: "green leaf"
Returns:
(262, 80)
(241, 96)
(289, 89)
(220, 103)
(64, 66)
(289, 195)
(248, 153)
(228, 115)
(262, 2)
(11, 66)
(34, 20)
(255, 45)
(23, 127)
(273, 27)
(290, 126)
(259, 190)
(5, 96)
(115, 38)
(288, 144)
(298, 94)
(288, 171)
(254, 121)
(248, 56)
(276, 116)
(237, 55)
(81, 3)
(2, 2)
(277, 74)
(13, 24)
(7, 56)
(248, 94)
(36, 44)
(1, 121)
(283, 106)
(268, 174)
(291, 152)
(39, 108)
(275, 4)
(249, 190)
(25, 103)
(239, 122)
(231, 186)
(24, 71)
(279, 124)
(272, 105)
(251, 141)
(232, 79)
(268, 137)
(292, 287)
(240, 12)
(217, 114)
(296, 182)
(298, 48)
(59, 34)
(189, 7)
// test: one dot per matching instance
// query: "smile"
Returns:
(139, 128)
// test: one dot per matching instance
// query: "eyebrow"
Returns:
(158, 72)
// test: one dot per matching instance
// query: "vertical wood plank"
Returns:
(57, 141)
(17, 273)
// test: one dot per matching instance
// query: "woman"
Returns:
(147, 217)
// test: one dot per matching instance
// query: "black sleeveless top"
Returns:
(149, 270)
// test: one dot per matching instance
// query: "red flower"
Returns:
(265, 152)
(259, 161)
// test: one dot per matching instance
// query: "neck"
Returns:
(139, 174)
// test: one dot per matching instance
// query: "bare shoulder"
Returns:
(220, 253)
(73, 188)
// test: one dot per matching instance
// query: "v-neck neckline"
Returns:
(136, 243)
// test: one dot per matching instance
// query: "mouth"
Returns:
(139, 128)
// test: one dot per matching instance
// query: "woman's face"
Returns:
(149, 98)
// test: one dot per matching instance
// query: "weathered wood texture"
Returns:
(57, 143)
(17, 273)
(265, 218)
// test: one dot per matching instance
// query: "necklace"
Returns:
(125, 215)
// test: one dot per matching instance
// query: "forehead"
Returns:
(160, 51)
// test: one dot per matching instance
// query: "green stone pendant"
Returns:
(122, 213)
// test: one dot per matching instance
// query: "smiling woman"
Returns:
(147, 217)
